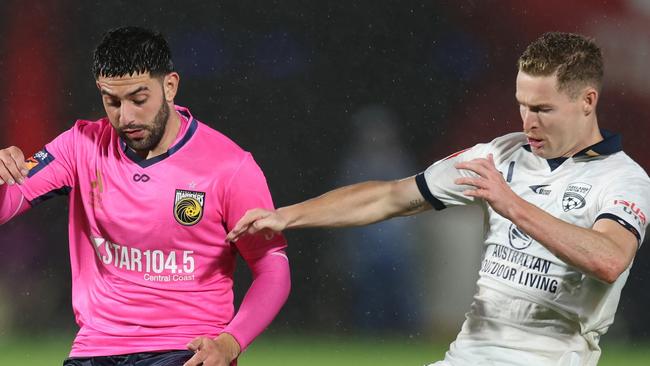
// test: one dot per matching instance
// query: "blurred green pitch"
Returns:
(274, 350)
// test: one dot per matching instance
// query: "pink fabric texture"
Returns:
(12, 202)
(150, 266)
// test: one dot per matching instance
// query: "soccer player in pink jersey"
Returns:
(152, 194)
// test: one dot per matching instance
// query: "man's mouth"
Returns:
(535, 143)
(134, 133)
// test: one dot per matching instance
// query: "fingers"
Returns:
(484, 167)
(12, 166)
(196, 360)
(248, 224)
(195, 344)
(206, 353)
(470, 181)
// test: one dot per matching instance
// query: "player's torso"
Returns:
(158, 224)
(514, 260)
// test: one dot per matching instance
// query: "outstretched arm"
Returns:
(603, 251)
(355, 205)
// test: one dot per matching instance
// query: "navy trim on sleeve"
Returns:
(39, 161)
(64, 191)
(622, 222)
(426, 193)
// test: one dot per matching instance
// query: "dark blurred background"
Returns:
(323, 94)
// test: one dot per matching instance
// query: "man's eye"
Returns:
(112, 103)
(139, 101)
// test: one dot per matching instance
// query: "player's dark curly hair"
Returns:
(577, 60)
(131, 50)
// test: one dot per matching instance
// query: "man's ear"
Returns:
(589, 101)
(170, 86)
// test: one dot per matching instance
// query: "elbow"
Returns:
(611, 271)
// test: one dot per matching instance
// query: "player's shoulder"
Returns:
(218, 143)
(509, 141)
(622, 165)
(84, 130)
(505, 146)
(231, 156)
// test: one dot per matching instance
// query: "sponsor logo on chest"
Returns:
(541, 189)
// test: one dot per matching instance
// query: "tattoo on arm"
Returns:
(415, 204)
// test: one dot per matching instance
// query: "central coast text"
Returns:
(156, 265)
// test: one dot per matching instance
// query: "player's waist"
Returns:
(124, 340)
(493, 308)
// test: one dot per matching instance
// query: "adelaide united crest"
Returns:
(575, 196)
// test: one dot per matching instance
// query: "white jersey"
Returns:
(531, 308)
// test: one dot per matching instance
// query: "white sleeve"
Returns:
(436, 183)
(626, 200)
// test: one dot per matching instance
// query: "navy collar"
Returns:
(610, 144)
(143, 163)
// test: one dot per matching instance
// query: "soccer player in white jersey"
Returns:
(152, 194)
(567, 210)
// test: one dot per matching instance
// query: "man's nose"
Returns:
(126, 114)
(529, 118)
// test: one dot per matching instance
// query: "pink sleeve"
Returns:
(247, 190)
(264, 255)
(12, 202)
(50, 174)
(51, 170)
(264, 299)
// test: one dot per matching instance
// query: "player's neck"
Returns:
(592, 137)
(171, 132)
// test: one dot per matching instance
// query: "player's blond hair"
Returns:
(576, 59)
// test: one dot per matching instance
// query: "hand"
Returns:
(257, 220)
(220, 351)
(12, 166)
(489, 185)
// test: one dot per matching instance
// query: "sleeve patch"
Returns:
(633, 210)
(39, 161)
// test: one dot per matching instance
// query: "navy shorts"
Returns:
(172, 358)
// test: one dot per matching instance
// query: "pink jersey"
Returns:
(150, 266)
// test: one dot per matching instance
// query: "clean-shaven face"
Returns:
(552, 121)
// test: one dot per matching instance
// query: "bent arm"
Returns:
(603, 251)
(358, 204)
(264, 299)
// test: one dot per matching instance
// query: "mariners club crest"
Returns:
(575, 196)
(188, 207)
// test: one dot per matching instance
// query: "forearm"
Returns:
(589, 250)
(264, 299)
(355, 205)
(12, 202)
